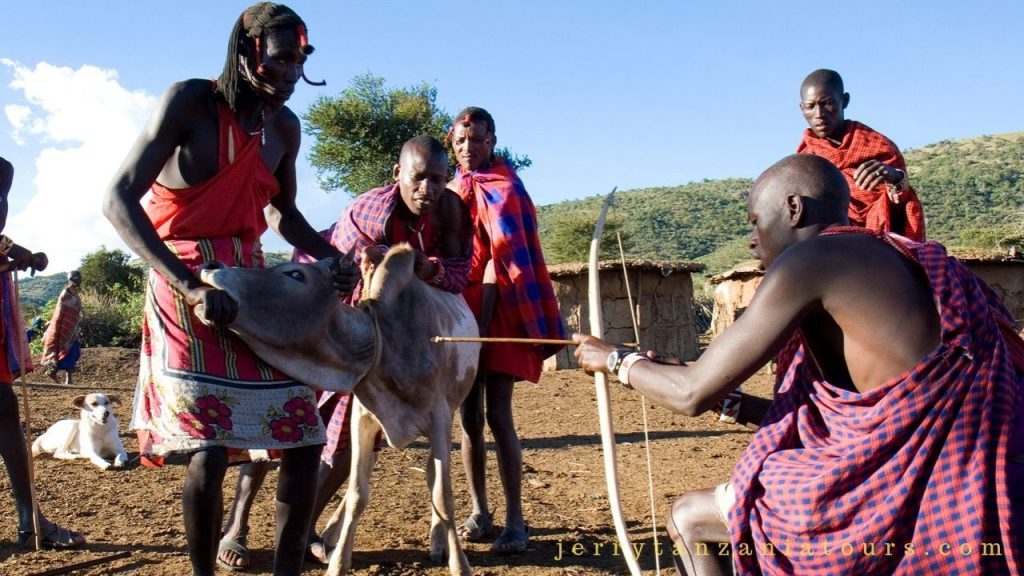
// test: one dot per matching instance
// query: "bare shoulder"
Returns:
(451, 212)
(450, 202)
(286, 121)
(187, 95)
(811, 269)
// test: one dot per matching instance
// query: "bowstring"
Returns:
(643, 410)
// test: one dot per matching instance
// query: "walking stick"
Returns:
(23, 361)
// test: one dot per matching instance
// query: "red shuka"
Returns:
(230, 203)
(870, 209)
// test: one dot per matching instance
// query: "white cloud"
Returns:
(17, 115)
(84, 123)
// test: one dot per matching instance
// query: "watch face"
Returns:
(613, 361)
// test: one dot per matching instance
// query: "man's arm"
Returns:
(284, 216)
(168, 127)
(286, 219)
(452, 269)
(789, 291)
(6, 179)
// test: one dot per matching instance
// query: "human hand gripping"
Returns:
(22, 259)
(591, 353)
(873, 172)
(344, 273)
(212, 306)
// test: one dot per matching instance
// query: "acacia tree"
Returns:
(568, 240)
(104, 270)
(359, 133)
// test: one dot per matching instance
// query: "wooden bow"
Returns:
(604, 408)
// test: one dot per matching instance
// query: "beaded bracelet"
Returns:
(627, 363)
(729, 408)
(5, 245)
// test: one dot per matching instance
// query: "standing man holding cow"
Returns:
(511, 294)
(416, 209)
(215, 153)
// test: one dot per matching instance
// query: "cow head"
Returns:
(271, 300)
(294, 319)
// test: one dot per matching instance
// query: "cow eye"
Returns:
(296, 275)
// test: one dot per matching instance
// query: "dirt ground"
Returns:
(138, 509)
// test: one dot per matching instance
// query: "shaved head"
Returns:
(429, 146)
(824, 78)
(795, 199)
(810, 177)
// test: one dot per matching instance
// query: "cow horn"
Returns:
(604, 407)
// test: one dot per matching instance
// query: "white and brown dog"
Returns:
(94, 435)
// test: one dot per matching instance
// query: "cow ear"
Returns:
(114, 399)
(78, 402)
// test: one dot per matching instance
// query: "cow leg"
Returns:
(444, 540)
(364, 433)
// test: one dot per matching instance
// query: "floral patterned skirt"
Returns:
(201, 386)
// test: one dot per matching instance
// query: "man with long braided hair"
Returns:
(215, 154)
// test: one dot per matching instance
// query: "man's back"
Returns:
(870, 315)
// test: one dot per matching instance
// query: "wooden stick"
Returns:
(28, 421)
(515, 340)
(442, 339)
(83, 564)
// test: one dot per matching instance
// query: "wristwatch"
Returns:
(615, 359)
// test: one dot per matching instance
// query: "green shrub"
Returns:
(112, 319)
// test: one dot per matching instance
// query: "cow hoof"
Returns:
(439, 558)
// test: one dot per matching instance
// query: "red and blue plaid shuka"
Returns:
(365, 222)
(497, 201)
(909, 478)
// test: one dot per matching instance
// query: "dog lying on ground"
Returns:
(95, 435)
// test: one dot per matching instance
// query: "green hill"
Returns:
(36, 291)
(972, 191)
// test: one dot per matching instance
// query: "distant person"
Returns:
(215, 154)
(13, 352)
(511, 294)
(417, 209)
(61, 346)
(881, 197)
(895, 440)
(35, 329)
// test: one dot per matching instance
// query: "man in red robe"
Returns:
(894, 441)
(215, 154)
(510, 293)
(61, 348)
(881, 197)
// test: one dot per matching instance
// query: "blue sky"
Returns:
(597, 93)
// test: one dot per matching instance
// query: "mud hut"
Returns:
(732, 293)
(662, 292)
(1003, 272)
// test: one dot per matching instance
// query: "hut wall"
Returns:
(665, 306)
(732, 297)
(1007, 280)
